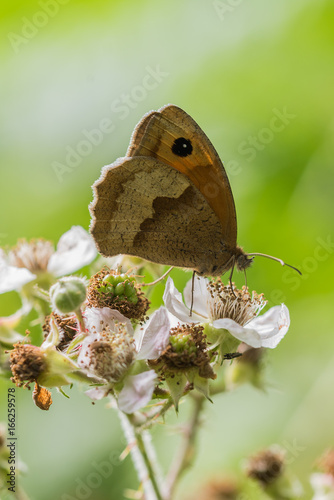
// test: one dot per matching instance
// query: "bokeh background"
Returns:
(70, 68)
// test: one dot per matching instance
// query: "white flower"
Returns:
(235, 311)
(104, 326)
(323, 486)
(26, 261)
(75, 250)
(13, 278)
(108, 351)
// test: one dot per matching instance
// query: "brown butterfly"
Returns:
(169, 200)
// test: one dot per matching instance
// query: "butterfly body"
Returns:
(169, 199)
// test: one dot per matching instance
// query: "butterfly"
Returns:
(169, 200)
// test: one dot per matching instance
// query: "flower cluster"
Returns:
(101, 331)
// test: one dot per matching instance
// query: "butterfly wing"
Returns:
(149, 209)
(173, 137)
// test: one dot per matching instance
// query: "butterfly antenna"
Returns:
(192, 293)
(158, 279)
(274, 258)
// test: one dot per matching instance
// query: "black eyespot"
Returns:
(182, 147)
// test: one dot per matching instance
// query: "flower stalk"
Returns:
(186, 454)
(141, 459)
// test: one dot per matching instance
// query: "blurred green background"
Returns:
(72, 67)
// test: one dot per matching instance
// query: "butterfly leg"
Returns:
(245, 278)
(192, 293)
(158, 279)
(230, 278)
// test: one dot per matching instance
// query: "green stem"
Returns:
(141, 458)
(81, 321)
(151, 473)
(186, 453)
(153, 416)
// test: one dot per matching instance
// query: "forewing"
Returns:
(155, 136)
(146, 208)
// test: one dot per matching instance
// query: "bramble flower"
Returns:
(109, 349)
(112, 352)
(230, 316)
(44, 365)
(268, 468)
(185, 360)
(323, 486)
(323, 482)
(118, 291)
(37, 260)
(178, 354)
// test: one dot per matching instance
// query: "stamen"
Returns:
(111, 354)
(33, 255)
(230, 302)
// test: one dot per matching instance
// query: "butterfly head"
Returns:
(242, 260)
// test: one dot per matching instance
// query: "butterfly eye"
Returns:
(182, 147)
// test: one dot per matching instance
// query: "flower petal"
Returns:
(272, 325)
(97, 393)
(264, 331)
(323, 486)
(137, 391)
(173, 301)
(13, 278)
(247, 335)
(75, 249)
(97, 319)
(155, 337)
(200, 296)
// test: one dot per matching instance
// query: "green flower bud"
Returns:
(133, 298)
(110, 278)
(68, 294)
(182, 342)
(119, 289)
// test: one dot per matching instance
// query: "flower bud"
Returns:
(248, 368)
(68, 294)
(268, 468)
